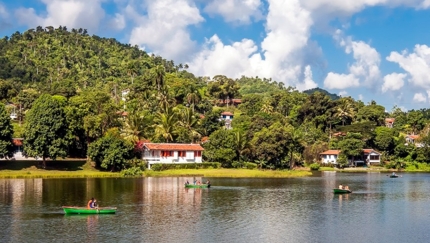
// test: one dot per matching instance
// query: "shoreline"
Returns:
(89, 172)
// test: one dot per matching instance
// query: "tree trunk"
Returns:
(44, 162)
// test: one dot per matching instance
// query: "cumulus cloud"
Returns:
(416, 64)
(164, 28)
(308, 82)
(70, 13)
(364, 69)
(3, 12)
(343, 93)
(118, 22)
(420, 98)
(279, 56)
(237, 11)
(340, 81)
(393, 81)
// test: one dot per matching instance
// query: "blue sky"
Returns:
(367, 49)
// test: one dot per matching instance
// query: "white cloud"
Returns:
(365, 68)
(280, 56)
(420, 98)
(3, 12)
(393, 81)
(340, 81)
(416, 64)
(308, 82)
(164, 28)
(69, 13)
(118, 22)
(360, 97)
(343, 93)
(240, 11)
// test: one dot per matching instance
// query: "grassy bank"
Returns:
(54, 169)
(236, 173)
(82, 169)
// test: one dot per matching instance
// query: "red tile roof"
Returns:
(368, 151)
(226, 113)
(17, 141)
(413, 136)
(332, 151)
(390, 120)
(174, 147)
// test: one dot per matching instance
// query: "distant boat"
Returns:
(394, 176)
(197, 186)
(85, 210)
(339, 191)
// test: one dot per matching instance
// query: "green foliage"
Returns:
(220, 147)
(314, 166)
(6, 132)
(250, 165)
(342, 160)
(332, 96)
(177, 166)
(46, 129)
(132, 172)
(110, 152)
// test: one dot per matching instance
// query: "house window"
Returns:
(197, 153)
(181, 153)
(374, 157)
(166, 153)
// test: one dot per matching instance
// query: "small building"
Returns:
(330, 156)
(227, 117)
(389, 122)
(170, 153)
(412, 139)
(368, 157)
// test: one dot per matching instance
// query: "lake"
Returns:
(380, 209)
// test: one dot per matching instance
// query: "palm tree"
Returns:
(241, 144)
(136, 126)
(165, 125)
(189, 121)
(158, 73)
(193, 97)
(345, 110)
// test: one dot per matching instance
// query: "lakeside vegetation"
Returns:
(81, 96)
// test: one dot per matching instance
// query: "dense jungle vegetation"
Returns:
(76, 95)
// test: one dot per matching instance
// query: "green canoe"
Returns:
(336, 190)
(197, 186)
(84, 210)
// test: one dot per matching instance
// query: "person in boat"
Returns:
(346, 187)
(208, 182)
(187, 182)
(394, 173)
(199, 183)
(341, 186)
(195, 182)
(94, 204)
(90, 203)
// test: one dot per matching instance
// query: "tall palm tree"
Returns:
(345, 110)
(193, 97)
(158, 73)
(136, 126)
(189, 121)
(165, 125)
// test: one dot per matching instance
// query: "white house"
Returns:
(370, 157)
(170, 153)
(227, 117)
(329, 156)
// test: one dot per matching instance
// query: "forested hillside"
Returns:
(78, 95)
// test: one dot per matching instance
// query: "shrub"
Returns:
(250, 165)
(178, 166)
(237, 164)
(314, 166)
(133, 171)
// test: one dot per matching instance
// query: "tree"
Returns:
(110, 151)
(352, 145)
(6, 132)
(46, 129)
(384, 139)
(220, 147)
(345, 110)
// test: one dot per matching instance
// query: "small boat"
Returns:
(394, 176)
(338, 191)
(85, 210)
(197, 186)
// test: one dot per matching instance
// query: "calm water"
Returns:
(233, 210)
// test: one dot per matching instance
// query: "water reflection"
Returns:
(233, 210)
